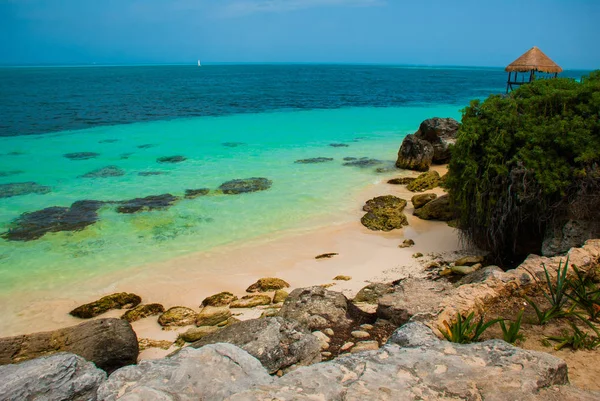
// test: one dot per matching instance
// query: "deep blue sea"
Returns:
(113, 135)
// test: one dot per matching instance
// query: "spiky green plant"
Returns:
(577, 339)
(511, 334)
(465, 331)
(555, 294)
(585, 294)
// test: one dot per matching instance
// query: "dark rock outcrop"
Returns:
(276, 342)
(60, 377)
(194, 193)
(142, 311)
(152, 202)
(81, 155)
(314, 160)
(105, 172)
(441, 133)
(109, 343)
(421, 200)
(437, 209)
(114, 301)
(171, 159)
(414, 154)
(22, 188)
(245, 185)
(384, 213)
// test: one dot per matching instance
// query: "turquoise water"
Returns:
(301, 194)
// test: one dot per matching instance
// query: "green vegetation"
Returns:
(526, 161)
(556, 294)
(465, 331)
(511, 334)
(577, 339)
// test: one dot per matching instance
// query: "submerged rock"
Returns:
(63, 377)
(338, 145)
(146, 146)
(267, 284)
(114, 301)
(34, 225)
(424, 182)
(221, 299)
(171, 159)
(108, 141)
(152, 202)
(245, 185)
(314, 160)
(194, 193)
(109, 343)
(421, 200)
(384, 213)
(22, 188)
(440, 133)
(364, 163)
(81, 155)
(150, 173)
(9, 173)
(233, 144)
(142, 311)
(177, 316)
(415, 154)
(437, 209)
(125, 155)
(105, 172)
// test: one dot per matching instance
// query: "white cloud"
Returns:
(245, 7)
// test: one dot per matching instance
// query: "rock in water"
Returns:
(276, 342)
(171, 159)
(214, 372)
(142, 311)
(363, 163)
(153, 202)
(314, 160)
(437, 209)
(194, 193)
(105, 172)
(384, 213)
(268, 284)
(81, 155)
(424, 182)
(414, 154)
(114, 301)
(420, 200)
(440, 133)
(22, 188)
(109, 343)
(61, 377)
(245, 185)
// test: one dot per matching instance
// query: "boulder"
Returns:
(317, 308)
(280, 296)
(372, 292)
(421, 200)
(177, 316)
(415, 154)
(276, 342)
(197, 333)
(437, 209)
(384, 213)
(109, 343)
(104, 172)
(469, 260)
(268, 284)
(424, 182)
(211, 315)
(171, 159)
(22, 188)
(562, 236)
(214, 372)
(142, 311)
(221, 299)
(60, 377)
(245, 185)
(250, 301)
(152, 202)
(440, 133)
(113, 301)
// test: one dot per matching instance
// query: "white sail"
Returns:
(199, 63)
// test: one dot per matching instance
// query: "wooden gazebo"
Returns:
(532, 61)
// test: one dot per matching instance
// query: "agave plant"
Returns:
(466, 331)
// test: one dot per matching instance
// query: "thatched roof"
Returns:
(534, 59)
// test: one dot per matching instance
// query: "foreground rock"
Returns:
(437, 209)
(276, 342)
(413, 365)
(109, 343)
(424, 182)
(22, 188)
(114, 301)
(245, 185)
(415, 154)
(317, 308)
(61, 377)
(384, 213)
(268, 284)
(440, 133)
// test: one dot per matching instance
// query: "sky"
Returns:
(415, 32)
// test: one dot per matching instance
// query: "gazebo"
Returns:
(531, 61)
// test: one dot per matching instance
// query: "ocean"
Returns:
(113, 135)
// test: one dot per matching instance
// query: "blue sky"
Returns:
(423, 32)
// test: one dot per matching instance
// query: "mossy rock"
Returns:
(420, 200)
(196, 333)
(211, 316)
(437, 209)
(268, 284)
(342, 278)
(401, 181)
(469, 260)
(424, 182)
(384, 213)
(114, 301)
(279, 296)
(142, 311)
(407, 243)
(221, 299)
(250, 301)
(177, 316)
(385, 202)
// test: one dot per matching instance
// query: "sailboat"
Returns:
(199, 65)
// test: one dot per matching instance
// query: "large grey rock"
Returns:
(109, 343)
(493, 370)
(214, 372)
(60, 377)
(440, 133)
(276, 342)
(317, 308)
(415, 154)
